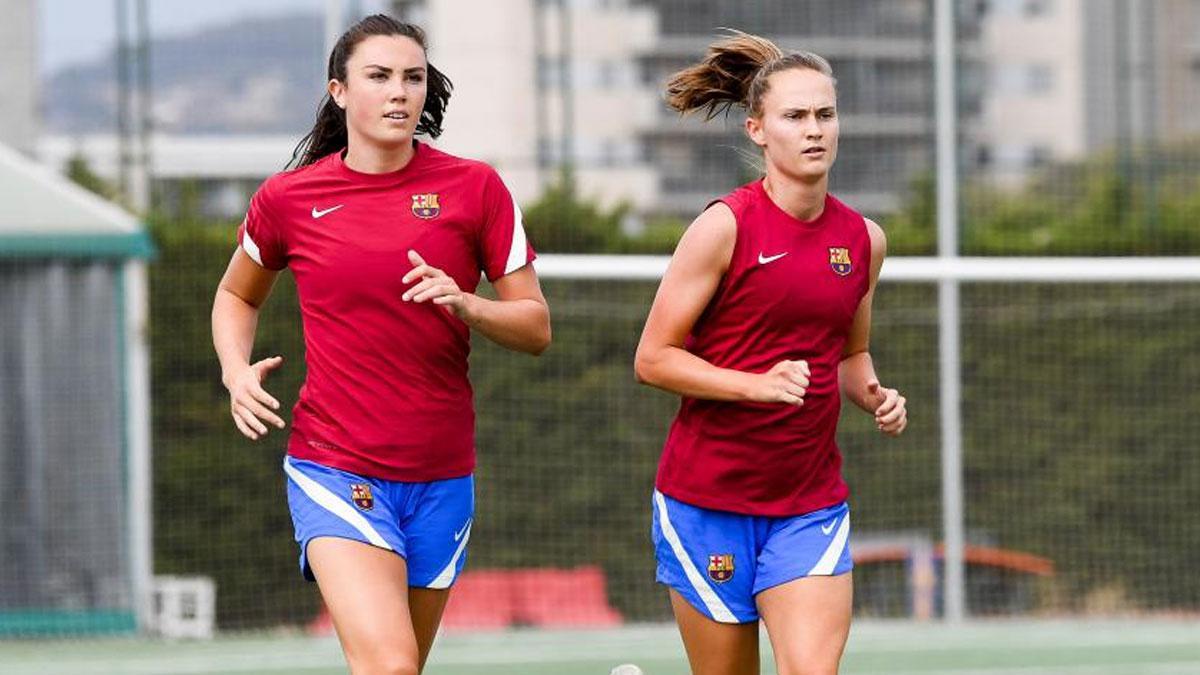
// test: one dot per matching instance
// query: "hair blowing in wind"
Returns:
(734, 71)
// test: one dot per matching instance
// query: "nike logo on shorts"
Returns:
(826, 529)
(459, 535)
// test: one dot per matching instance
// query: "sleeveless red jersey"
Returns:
(386, 392)
(791, 292)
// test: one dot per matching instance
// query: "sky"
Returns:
(74, 31)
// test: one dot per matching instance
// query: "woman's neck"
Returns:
(801, 199)
(366, 158)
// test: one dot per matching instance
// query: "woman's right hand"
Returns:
(249, 403)
(785, 382)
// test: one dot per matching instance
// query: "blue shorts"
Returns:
(719, 560)
(427, 524)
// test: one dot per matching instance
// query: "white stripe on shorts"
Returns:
(321, 495)
(443, 579)
(715, 607)
(829, 559)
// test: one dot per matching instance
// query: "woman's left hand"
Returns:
(890, 416)
(435, 285)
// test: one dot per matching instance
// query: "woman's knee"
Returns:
(384, 664)
(807, 666)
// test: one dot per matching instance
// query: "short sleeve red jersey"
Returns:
(386, 392)
(791, 292)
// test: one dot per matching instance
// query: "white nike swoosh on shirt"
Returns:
(318, 213)
(763, 260)
(459, 535)
(826, 530)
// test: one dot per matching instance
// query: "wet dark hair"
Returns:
(735, 72)
(328, 134)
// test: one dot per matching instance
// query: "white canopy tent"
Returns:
(75, 483)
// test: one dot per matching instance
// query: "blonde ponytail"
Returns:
(735, 72)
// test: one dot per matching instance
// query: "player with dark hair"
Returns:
(386, 238)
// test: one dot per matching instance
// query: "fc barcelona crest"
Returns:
(720, 567)
(839, 260)
(360, 493)
(426, 205)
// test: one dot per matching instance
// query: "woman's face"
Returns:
(384, 91)
(798, 127)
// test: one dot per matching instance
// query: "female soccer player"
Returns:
(760, 323)
(386, 238)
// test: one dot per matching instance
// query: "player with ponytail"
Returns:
(761, 324)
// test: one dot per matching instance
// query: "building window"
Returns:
(1005, 7)
(1008, 78)
(548, 152)
(1036, 8)
(1022, 79)
(608, 153)
(1039, 79)
(549, 72)
(1039, 155)
(606, 75)
(1029, 9)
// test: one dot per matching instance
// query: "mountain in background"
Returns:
(261, 75)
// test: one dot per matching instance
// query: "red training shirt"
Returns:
(791, 292)
(386, 393)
